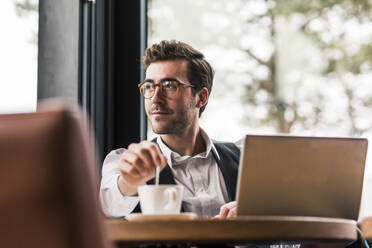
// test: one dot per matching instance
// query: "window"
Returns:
(18, 60)
(281, 66)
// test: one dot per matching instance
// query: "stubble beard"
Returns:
(174, 126)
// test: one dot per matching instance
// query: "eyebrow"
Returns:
(148, 80)
(162, 80)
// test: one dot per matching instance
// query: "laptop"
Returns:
(301, 176)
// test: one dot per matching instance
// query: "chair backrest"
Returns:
(49, 190)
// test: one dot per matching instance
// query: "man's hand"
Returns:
(227, 210)
(137, 165)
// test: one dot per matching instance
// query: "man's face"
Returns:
(170, 115)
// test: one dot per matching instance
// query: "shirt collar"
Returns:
(174, 156)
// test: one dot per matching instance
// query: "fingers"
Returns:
(129, 174)
(228, 210)
(138, 163)
(149, 153)
(128, 169)
(141, 163)
(223, 212)
(232, 213)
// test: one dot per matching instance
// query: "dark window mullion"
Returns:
(143, 46)
(86, 56)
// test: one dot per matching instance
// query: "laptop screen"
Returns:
(301, 176)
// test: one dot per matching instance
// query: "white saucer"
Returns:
(161, 217)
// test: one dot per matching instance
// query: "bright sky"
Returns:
(18, 60)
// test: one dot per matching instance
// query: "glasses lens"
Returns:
(170, 88)
(147, 90)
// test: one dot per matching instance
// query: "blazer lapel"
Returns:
(229, 170)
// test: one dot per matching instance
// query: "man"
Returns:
(176, 90)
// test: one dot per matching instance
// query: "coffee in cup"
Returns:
(160, 199)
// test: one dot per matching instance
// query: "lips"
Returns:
(159, 110)
(160, 113)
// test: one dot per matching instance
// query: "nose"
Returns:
(158, 95)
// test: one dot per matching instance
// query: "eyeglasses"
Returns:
(169, 88)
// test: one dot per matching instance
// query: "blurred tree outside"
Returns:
(305, 66)
(26, 8)
(296, 97)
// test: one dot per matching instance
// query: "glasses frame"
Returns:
(179, 84)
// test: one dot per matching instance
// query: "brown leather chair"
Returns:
(49, 189)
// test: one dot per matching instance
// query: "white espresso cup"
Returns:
(160, 199)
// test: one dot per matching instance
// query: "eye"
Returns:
(148, 86)
(170, 85)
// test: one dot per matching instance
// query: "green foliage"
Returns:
(337, 56)
(309, 7)
(25, 7)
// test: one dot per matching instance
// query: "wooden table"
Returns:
(250, 229)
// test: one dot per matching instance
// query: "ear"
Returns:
(202, 97)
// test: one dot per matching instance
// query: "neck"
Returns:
(188, 143)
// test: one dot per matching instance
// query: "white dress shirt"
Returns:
(205, 190)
